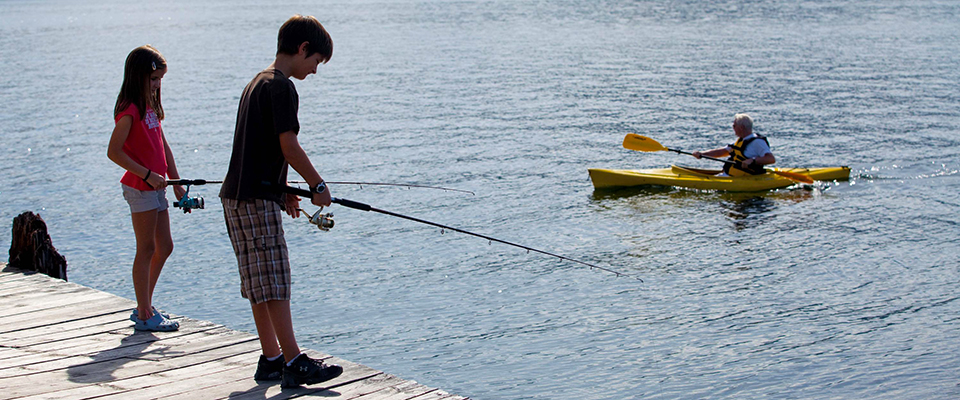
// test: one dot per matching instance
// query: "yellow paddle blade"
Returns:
(793, 176)
(636, 142)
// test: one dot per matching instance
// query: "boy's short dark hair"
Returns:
(299, 29)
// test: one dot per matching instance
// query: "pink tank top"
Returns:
(144, 145)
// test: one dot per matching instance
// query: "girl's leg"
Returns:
(144, 227)
(163, 243)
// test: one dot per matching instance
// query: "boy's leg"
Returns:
(275, 327)
(256, 233)
(144, 228)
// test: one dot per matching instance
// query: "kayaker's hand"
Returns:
(746, 163)
(696, 155)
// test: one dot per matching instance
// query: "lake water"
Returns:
(838, 290)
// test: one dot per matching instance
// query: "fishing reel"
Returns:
(188, 203)
(323, 221)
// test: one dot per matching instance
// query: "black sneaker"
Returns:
(269, 370)
(305, 371)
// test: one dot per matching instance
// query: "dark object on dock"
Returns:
(31, 248)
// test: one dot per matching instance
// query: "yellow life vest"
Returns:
(736, 169)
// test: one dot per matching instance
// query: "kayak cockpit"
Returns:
(679, 170)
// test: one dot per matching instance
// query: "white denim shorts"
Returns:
(145, 200)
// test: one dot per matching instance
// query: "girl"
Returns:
(138, 145)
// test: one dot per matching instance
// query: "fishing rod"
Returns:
(366, 207)
(408, 185)
(188, 203)
(361, 184)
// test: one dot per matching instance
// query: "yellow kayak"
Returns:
(707, 179)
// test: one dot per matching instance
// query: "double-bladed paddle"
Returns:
(636, 142)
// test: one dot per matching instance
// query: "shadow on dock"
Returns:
(60, 340)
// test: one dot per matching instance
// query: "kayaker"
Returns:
(748, 154)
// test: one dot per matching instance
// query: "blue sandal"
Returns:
(134, 315)
(156, 323)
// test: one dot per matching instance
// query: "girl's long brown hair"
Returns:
(141, 62)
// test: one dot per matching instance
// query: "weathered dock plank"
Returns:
(60, 340)
(158, 385)
(247, 388)
(113, 344)
(404, 390)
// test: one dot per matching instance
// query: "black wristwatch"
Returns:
(320, 188)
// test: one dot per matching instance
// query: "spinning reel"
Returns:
(323, 221)
(188, 203)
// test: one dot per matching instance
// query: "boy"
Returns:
(264, 144)
(748, 154)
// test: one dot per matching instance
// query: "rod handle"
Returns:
(306, 193)
(352, 204)
(187, 182)
(288, 189)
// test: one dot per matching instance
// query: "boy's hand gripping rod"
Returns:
(366, 207)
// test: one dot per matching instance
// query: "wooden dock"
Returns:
(60, 340)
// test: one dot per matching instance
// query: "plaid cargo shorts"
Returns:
(256, 234)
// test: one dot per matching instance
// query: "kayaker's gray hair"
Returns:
(744, 121)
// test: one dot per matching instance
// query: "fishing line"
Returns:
(366, 207)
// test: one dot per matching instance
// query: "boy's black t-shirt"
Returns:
(267, 109)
